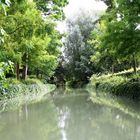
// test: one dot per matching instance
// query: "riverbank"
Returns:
(124, 84)
(19, 93)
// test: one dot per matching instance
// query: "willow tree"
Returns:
(77, 50)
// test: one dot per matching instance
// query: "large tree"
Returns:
(119, 35)
(32, 40)
(77, 50)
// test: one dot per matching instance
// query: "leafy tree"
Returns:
(3, 5)
(4, 68)
(78, 51)
(21, 26)
(52, 8)
(119, 36)
(32, 42)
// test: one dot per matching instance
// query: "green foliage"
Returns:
(129, 89)
(117, 37)
(31, 81)
(121, 84)
(12, 81)
(52, 8)
(17, 88)
(107, 82)
(20, 94)
(2, 34)
(31, 41)
(78, 51)
(4, 68)
(3, 6)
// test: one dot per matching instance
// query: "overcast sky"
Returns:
(74, 7)
(89, 5)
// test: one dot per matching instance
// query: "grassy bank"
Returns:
(121, 84)
(19, 93)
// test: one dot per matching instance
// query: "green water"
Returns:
(68, 117)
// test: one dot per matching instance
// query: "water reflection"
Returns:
(68, 116)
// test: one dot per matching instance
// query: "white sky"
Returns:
(89, 5)
(74, 7)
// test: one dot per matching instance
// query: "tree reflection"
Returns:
(68, 115)
(83, 120)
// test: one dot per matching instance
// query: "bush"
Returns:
(31, 81)
(13, 81)
(118, 85)
(12, 87)
(128, 89)
(76, 84)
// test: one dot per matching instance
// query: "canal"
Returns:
(68, 116)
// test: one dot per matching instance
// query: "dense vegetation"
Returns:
(109, 46)
(27, 92)
(117, 43)
(117, 39)
(97, 51)
(78, 50)
(124, 84)
(29, 41)
(94, 43)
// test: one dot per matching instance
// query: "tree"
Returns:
(78, 51)
(3, 5)
(52, 8)
(120, 36)
(21, 27)
(32, 41)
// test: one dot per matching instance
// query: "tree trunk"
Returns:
(134, 65)
(37, 73)
(25, 70)
(41, 76)
(25, 66)
(112, 69)
(17, 71)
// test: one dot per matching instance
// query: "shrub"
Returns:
(118, 85)
(31, 81)
(128, 89)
